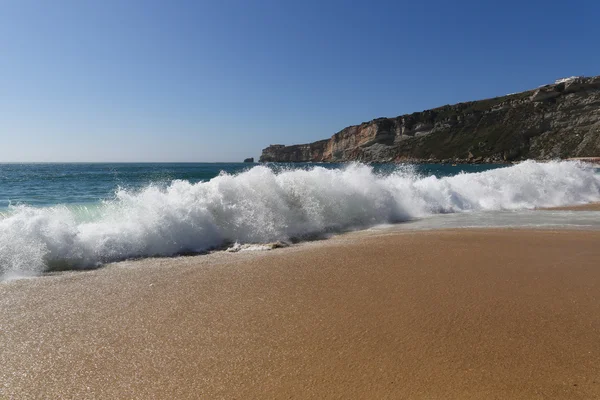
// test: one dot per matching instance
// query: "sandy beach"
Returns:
(580, 207)
(457, 314)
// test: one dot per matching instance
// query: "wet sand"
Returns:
(462, 314)
(581, 207)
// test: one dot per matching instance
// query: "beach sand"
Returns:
(457, 314)
(581, 207)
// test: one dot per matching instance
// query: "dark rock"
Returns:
(249, 160)
(296, 153)
(544, 94)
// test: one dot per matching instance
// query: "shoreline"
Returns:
(578, 207)
(466, 313)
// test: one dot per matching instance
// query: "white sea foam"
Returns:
(261, 206)
(238, 247)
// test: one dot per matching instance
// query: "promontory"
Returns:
(560, 120)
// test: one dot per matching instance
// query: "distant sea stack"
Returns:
(560, 120)
(249, 160)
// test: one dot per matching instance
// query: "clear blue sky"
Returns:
(125, 80)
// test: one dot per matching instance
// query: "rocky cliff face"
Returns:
(298, 153)
(560, 120)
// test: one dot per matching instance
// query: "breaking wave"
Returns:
(262, 206)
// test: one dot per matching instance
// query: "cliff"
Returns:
(560, 120)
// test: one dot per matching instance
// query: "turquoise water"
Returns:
(70, 216)
(51, 184)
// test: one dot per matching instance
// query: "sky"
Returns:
(205, 81)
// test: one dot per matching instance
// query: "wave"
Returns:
(262, 206)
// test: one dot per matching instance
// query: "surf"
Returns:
(262, 205)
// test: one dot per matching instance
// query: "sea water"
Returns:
(55, 216)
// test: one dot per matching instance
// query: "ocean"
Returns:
(67, 216)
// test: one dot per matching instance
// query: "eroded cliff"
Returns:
(560, 120)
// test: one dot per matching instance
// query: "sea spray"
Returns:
(261, 205)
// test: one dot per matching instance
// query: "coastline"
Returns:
(508, 313)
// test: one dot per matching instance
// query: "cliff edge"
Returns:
(560, 120)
